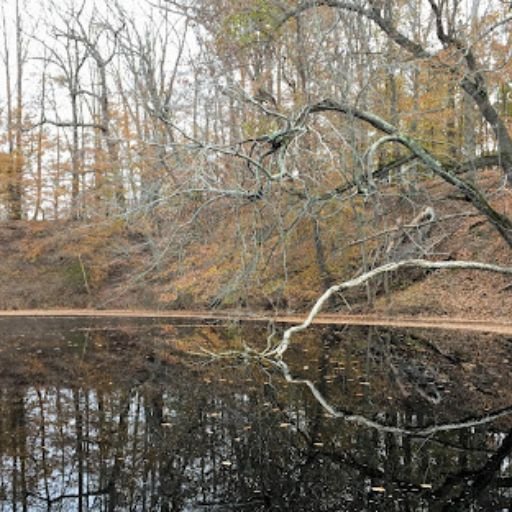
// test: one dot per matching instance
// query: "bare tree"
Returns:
(15, 111)
(68, 59)
(94, 39)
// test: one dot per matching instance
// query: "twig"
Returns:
(410, 226)
(84, 274)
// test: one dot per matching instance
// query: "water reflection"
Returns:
(109, 417)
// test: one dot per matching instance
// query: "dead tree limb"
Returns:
(281, 348)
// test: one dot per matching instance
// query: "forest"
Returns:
(252, 154)
(186, 186)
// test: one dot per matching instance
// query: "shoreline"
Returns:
(428, 322)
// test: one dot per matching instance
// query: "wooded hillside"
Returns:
(252, 153)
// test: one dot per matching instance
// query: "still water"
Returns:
(121, 416)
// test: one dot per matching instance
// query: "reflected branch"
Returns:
(367, 422)
(477, 481)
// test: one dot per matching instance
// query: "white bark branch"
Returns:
(357, 281)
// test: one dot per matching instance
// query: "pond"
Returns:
(125, 415)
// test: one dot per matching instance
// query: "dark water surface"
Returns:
(98, 415)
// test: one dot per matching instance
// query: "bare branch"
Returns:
(389, 267)
(501, 222)
(372, 14)
(473, 81)
(67, 124)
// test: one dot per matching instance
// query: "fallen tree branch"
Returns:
(281, 348)
(500, 221)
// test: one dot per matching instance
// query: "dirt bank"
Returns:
(460, 324)
(117, 265)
